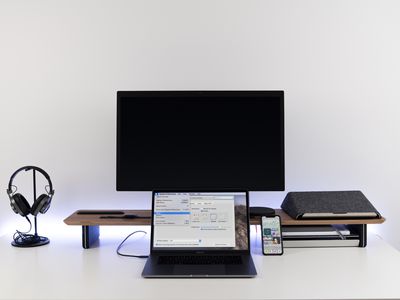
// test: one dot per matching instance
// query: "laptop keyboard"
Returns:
(200, 260)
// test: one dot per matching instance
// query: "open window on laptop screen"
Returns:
(200, 221)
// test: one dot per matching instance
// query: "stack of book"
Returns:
(319, 236)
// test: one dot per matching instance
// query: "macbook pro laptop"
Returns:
(200, 234)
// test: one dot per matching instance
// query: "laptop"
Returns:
(200, 234)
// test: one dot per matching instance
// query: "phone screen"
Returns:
(271, 235)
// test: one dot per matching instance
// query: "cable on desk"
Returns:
(21, 238)
(131, 255)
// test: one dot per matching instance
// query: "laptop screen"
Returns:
(196, 221)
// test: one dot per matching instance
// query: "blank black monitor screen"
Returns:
(200, 140)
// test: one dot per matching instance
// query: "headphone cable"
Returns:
(22, 238)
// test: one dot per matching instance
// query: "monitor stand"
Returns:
(261, 211)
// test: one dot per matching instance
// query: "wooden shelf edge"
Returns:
(92, 220)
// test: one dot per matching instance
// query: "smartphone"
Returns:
(271, 235)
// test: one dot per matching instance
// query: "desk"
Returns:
(63, 270)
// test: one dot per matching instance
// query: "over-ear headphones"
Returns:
(18, 202)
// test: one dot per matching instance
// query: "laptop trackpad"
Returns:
(199, 270)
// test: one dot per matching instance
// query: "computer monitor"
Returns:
(200, 140)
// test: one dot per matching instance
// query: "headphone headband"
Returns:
(27, 168)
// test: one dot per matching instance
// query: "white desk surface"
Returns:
(63, 270)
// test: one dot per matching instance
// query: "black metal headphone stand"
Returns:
(36, 240)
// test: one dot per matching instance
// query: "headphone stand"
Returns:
(34, 240)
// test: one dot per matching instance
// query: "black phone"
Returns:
(271, 235)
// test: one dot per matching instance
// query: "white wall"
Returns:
(61, 63)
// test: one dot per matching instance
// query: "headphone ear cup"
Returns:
(20, 205)
(41, 204)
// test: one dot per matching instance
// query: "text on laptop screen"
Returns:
(200, 220)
